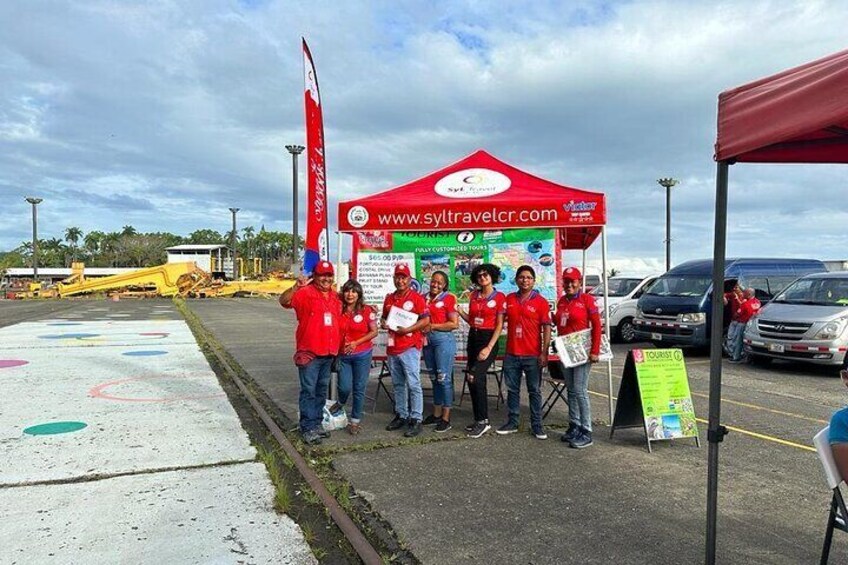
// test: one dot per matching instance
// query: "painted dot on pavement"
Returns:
(54, 428)
(67, 336)
(144, 353)
(6, 363)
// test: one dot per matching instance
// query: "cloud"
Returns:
(165, 114)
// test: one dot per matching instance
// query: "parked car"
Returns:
(623, 294)
(806, 322)
(676, 310)
(592, 281)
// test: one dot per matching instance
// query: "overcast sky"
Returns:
(164, 114)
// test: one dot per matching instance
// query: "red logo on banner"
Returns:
(375, 239)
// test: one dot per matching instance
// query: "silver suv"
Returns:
(807, 322)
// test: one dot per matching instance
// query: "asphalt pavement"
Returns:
(516, 499)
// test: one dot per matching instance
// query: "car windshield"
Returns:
(617, 287)
(816, 291)
(680, 285)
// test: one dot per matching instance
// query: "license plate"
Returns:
(656, 337)
(776, 347)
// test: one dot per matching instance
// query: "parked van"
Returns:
(623, 294)
(676, 309)
(805, 322)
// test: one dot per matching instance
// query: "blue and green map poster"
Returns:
(456, 253)
(654, 394)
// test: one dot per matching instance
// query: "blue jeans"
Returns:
(736, 345)
(353, 375)
(406, 382)
(513, 367)
(730, 339)
(577, 383)
(314, 380)
(439, 354)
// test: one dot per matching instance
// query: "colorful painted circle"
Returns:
(7, 363)
(67, 336)
(144, 353)
(54, 428)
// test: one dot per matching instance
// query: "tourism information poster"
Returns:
(664, 387)
(456, 253)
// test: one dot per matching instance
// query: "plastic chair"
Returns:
(838, 517)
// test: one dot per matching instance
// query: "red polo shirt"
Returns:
(318, 316)
(525, 319)
(483, 310)
(441, 307)
(748, 310)
(411, 302)
(354, 325)
(579, 313)
(733, 302)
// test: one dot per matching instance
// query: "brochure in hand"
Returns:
(573, 348)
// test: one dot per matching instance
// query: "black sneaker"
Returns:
(443, 426)
(311, 438)
(430, 420)
(414, 428)
(506, 429)
(539, 432)
(479, 430)
(397, 423)
(470, 426)
(569, 435)
(584, 439)
(322, 433)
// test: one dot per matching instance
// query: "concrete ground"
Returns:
(515, 499)
(117, 444)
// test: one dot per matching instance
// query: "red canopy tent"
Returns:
(482, 192)
(797, 116)
(479, 191)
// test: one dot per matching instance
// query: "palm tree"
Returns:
(72, 236)
(248, 238)
(128, 230)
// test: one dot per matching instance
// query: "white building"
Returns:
(204, 255)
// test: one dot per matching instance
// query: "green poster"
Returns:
(457, 253)
(664, 389)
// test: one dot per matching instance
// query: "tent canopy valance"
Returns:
(479, 191)
(797, 116)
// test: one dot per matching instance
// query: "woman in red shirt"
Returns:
(485, 317)
(358, 327)
(576, 311)
(440, 350)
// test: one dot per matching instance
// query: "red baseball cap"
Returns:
(323, 268)
(571, 274)
(402, 269)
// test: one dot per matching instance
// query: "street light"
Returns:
(233, 243)
(668, 183)
(35, 202)
(295, 150)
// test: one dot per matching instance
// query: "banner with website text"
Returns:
(455, 253)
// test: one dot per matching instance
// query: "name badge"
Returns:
(391, 342)
(478, 322)
(563, 320)
(519, 331)
(328, 319)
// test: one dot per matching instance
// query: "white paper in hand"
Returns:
(400, 318)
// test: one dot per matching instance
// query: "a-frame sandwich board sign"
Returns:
(654, 395)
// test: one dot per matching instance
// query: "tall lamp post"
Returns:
(233, 244)
(35, 202)
(668, 183)
(295, 150)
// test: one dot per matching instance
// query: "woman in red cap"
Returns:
(576, 311)
(486, 308)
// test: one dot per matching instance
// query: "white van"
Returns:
(623, 294)
(807, 321)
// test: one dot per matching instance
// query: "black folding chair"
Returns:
(838, 516)
(381, 385)
(493, 371)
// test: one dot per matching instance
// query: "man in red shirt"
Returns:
(528, 336)
(317, 341)
(732, 302)
(749, 308)
(404, 345)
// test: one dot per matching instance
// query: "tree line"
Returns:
(131, 248)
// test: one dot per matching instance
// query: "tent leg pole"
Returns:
(583, 268)
(604, 281)
(715, 431)
(339, 252)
